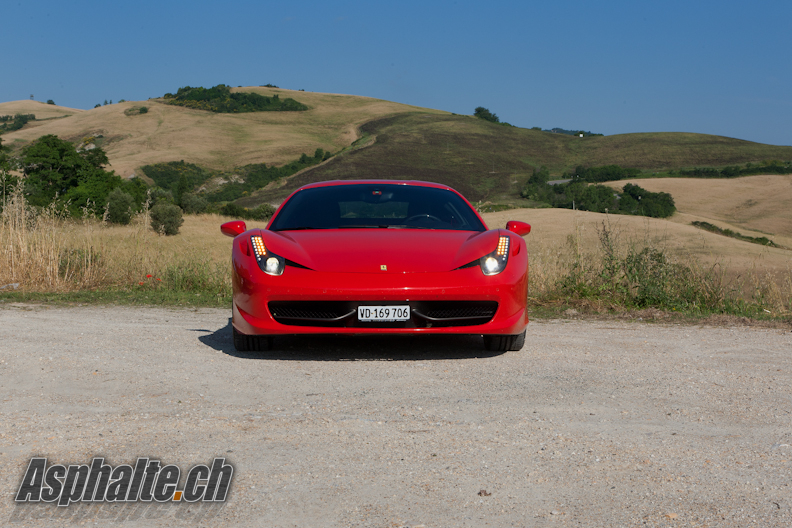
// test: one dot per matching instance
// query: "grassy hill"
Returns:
(482, 159)
(752, 205)
(41, 110)
(486, 161)
(215, 141)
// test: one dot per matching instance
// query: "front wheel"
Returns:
(251, 343)
(502, 343)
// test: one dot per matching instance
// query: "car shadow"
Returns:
(355, 348)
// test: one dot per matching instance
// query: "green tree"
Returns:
(92, 189)
(182, 188)
(7, 182)
(137, 188)
(50, 101)
(193, 204)
(166, 218)
(53, 167)
(486, 115)
(119, 207)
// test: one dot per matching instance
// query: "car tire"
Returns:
(251, 343)
(502, 343)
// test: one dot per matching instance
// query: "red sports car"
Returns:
(378, 257)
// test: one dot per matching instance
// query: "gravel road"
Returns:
(593, 423)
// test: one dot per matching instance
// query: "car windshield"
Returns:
(376, 206)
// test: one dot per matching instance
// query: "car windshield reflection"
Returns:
(376, 206)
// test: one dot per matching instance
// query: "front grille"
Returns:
(424, 314)
(305, 313)
(463, 312)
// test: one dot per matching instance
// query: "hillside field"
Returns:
(485, 161)
(212, 140)
(752, 205)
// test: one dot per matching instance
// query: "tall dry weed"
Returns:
(39, 249)
(46, 250)
(639, 272)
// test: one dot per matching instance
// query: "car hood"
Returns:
(368, 250)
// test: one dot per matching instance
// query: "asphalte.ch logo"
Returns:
(148, 481)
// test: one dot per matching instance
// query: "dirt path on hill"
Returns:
(592, 423)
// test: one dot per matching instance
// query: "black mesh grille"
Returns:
(308, 310)
(423, 314)
(457, 313)
(300, 313)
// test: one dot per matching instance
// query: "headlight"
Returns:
(495, 262)
(269, 262)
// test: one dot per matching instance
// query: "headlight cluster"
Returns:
(269, 262)
(495, 262)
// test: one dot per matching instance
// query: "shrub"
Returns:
(16, 122)
(233, 210)
(485, 114)
(119, 207)
(135, 110)
(50, 101)
(220, 99)
(166, 218)
(168, 174)
(262, 212)
(158, 194)
(193, 204)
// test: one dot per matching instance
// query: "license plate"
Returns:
(383, 313)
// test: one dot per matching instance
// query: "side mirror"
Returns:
(520, 228)
(233, 229)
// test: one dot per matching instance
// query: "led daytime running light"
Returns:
(258, 247)
(503, 246)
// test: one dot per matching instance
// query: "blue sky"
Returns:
(609, 67)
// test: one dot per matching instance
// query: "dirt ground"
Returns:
(593, 423)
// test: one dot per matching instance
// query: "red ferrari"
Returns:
(378, 257)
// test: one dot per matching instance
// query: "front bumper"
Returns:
(256, 293)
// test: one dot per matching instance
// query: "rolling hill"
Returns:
(482, 159)
(752, 205)
(485, 161)
(216, 141)
(488, 161)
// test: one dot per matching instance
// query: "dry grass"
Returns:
(753, 205)
(560, 238)
(43, 251)
(217, 141)
(46, 253)
(37, 108)
(552, 227)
